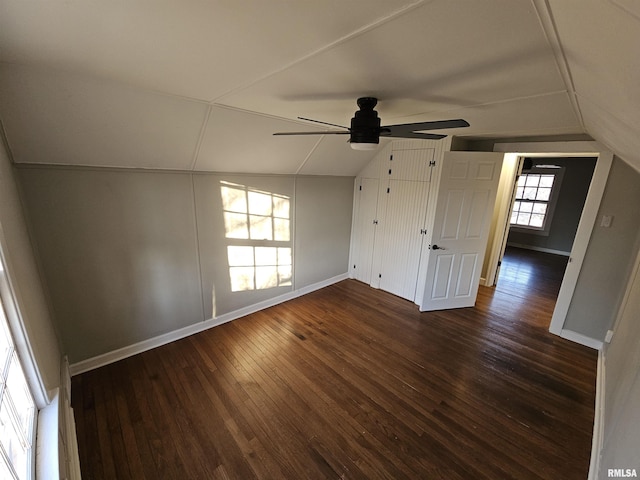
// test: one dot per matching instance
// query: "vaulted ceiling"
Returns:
(202, 85)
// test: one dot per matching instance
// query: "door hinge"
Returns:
(375, 222)
(499, 263)
(379, 275)
(360, 187)
(389, 171)
(432, 163)
(391, 157)
(423, 231)
(388, 190)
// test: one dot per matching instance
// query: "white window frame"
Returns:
(558, 173)
(44, 456)
(16, 334)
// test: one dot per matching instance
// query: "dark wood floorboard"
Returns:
(352, 382)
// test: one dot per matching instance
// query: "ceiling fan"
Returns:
(365, 130)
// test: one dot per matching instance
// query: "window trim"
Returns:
(24, 352)
(558, 172)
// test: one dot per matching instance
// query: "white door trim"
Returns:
(589, 212)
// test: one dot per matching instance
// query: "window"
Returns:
(18, 410)
(258, 231)
(536, 194)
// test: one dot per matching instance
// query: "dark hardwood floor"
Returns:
(352, 382)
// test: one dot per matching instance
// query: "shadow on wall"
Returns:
(257, 227)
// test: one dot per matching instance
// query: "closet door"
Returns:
(364, 229)
(401, 234)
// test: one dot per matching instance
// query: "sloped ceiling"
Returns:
(202, 85)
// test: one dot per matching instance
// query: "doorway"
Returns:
(516, 153)
(557, 189)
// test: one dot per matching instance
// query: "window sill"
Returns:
(47, 456)
(57, 459)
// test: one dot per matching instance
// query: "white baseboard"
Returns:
(130, 350)
(540, 249)
(597, 440)
(581, 339)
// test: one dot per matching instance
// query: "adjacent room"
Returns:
(362, 239)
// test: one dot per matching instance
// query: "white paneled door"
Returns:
(364, 228)
(466, 197)
(399, 249)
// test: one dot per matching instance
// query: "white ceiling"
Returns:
(203, 84)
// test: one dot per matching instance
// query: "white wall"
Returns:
(609, 256)
(28, 289)
(132, 255)
(621, 420)
(323, 230)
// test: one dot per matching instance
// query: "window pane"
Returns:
(234, 199)
(21, 399)
(522, 180)
(537, 220)
(523, 218)
(4, 470)
(543, 194)
(260, 203)
(514, 217)
(260, 228)
(519, 192)
(530, 193)
(13, 447)
(540, 208)
(532, 180)
(546, 180)
(6, 345)
(526, 207)
(235, 225)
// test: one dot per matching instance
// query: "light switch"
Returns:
(606, 221)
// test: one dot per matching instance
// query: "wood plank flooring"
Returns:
(352, 382)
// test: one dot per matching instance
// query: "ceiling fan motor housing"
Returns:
(365, 125)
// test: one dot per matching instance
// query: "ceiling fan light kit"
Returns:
(365, 125)
(365, 130)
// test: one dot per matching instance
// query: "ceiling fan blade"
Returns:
(409, 134)
(324, 123)
(328, 132)
(435, 125)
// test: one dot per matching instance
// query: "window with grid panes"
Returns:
(536, 193)
(18, 410)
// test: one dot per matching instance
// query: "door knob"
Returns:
(436, 247)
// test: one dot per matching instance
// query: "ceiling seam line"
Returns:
(203, 130)
(4, 140)
(345, 38)
(550, 30)
(313, 149)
